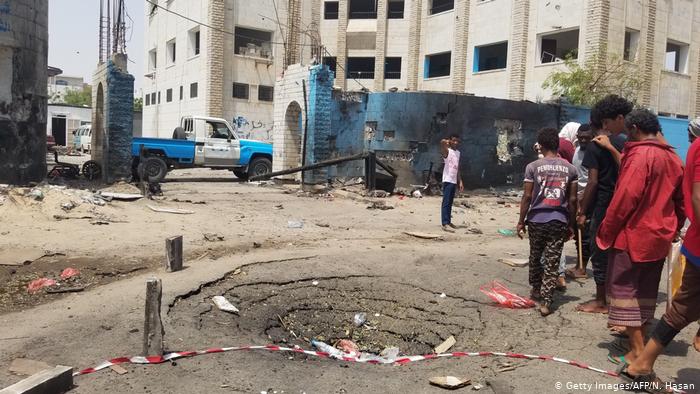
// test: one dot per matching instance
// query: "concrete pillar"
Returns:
(341, 56)
(518, 49)
(23, 96)
(414, 38)
(647, 46)
(320, 100)
(380, 51)
(462, 9)
(293, 55)
(598, 23)
(215, 59)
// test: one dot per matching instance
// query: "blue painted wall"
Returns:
(119, 120)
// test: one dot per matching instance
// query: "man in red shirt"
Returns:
(685, 307)
(645, 215)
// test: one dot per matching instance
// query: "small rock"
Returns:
(256, 245)
(213, 237)
(474, 230)
(315, 283)
(133, 330)
(378, 194)
(106, 328)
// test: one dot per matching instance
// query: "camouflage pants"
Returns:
(546, 244)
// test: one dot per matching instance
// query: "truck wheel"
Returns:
(240, 174)
(259, 166)
(153, 169)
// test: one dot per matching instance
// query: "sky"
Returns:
(74, 37)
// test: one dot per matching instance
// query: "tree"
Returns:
(79, 97)
(138, 104)
(585, 84)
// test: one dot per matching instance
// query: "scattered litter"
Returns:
(359, 319)
(380, 205)
(118, 369)
(515, 262)
(69, 273)
(68, 206)
(212, 237)
(348, 346)
(477, 387)
(443, 295)
(390, 353)
(38, 284)
(36, 194)
(449, 382)
(279, 207)
(378, 194)
(501, 202)
(377, 315)
(122, 196)
(474, 230)
(295, 224)
(507, 232)
(256, 245)
(223, 304)
(170, 210)
(326, 348)
(27, 367)
(500, 294)
(445, 346)
(19, 257)
(315, 283)
(417, 194)
(423, 235)
(467, 204)
(58, 290)
(190, 201)
(321, 224)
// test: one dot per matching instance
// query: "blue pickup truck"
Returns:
(200, 142)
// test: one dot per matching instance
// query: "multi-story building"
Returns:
(59, 84)
(219, 58)
(507, 48)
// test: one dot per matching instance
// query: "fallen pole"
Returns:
(314, 166)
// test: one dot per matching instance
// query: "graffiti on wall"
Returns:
(4, 13)
(252, 129)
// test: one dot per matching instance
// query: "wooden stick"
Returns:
(173, 254)
(580, 250)
(153, 331)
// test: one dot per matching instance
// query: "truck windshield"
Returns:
(218, 130)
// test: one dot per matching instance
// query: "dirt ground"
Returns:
(291, 285)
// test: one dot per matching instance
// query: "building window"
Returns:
(194, 36)
(392, 68)
(361, 67)
(241, 91)
(168, 95)
(331, 62)
(330, 10)
(557, 47)
(266, 93)
(676, 57)
(194, 87)
(363, 9)
(153, 98)
(395, 9)
(182, 91)
(251, 42)
(438, 6)
(491, 57)
(148, 100)
(152, 59)
(158, 97)
(171, 51)
(631, 45)
(438, 65)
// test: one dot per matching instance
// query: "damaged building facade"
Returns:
(23, 92)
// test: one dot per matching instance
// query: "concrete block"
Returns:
(51, 381)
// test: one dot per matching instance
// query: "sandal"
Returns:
(649, 383)
(571, 273)
(617, 360)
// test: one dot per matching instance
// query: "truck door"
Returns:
(221, 148)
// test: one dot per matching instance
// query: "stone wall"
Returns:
(319, 126)
(23, 84)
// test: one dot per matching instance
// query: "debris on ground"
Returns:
(380, 205)
(445, 346)
(378, 194)
(279, 207)
(224, 305)
(402, 191)
(69, 273)
(36, 194)
(466, 204)
(170, 210)
(417, 194)
(507, 232)
(390, 353)
(295, 224)
(118, 369)
(449, 382)
(423, 235)
(27, 367)
(189, 201)
(59, 290)
(213, 237)
(474, 230)
(38, 284)
(257, 245)
(322, 224)
(122, 196)
(19, 256)
(443, 295)
(504, 297)
(359, 319)
(348, 346)
(477, 387)
(515, 262)
(68, 206)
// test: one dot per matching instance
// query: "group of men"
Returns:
(624, 195)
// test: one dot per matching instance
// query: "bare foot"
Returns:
(545, 310)
(593, 306)
(618, 329)
(575, 273)
(561, 283)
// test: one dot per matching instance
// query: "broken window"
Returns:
(266, 93)
(252, 42)
(363, 9)
(396, 8)
(171, 51)
(389, 135)
(331, 63)
(631, 45)
(392, 68)
(491, 57)
(438, 65)
(168, 95)
(194, 36)
(556, 47)
(361, 67)
(194, 90)
(330, 10)
(241, 91)
(438, 6)
(676, 57)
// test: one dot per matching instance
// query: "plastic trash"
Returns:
(69, 273)
(223, 304)
(390, 354)
(359, 319)
(500, 294)
(36, 194)
(38, 284)
(326, 348)
(417, 194)
(295, 224)
(507, 232)
(348, 346)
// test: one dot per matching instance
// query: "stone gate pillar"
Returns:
(319, 130)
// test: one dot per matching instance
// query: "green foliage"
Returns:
(585, 84)
(138, 104)
(79, 97)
